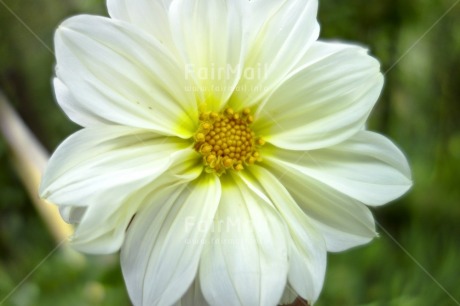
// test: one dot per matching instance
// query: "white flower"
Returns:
(223, 147)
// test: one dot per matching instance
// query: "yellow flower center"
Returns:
(226, 141)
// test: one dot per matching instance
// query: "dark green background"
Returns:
(419, 109)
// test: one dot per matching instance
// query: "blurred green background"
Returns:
(414, 262)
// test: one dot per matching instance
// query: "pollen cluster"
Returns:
(226, 141)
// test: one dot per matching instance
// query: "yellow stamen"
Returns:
(260, 142)
(206, 126)
(200, 137)
(226, 140)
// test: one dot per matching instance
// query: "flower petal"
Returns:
(161, 254)
(289, 296)
(121, 74)
(72, 214)
(343, 221)
(193, 296)
(307, 265)
(94, 173)
(367, 167)
(94, 160)
(151, 16)
(102, 229)
(325, 101)
(209, 36)
(244, 261)
(275, 47)
(73, 109)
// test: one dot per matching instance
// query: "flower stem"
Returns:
(29, 159)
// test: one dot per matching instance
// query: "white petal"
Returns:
(367, 167)
(244, 261)
(106, 163)
(76, 111)
(93, 174)
(102, 228)
(307, 255)
(343, 221)
(193, 296)
(72, 214)
(161, 254)
(275, 47)
(325, 101)
(151, 16)
(209, 36)
(121, 74)
(289, 296)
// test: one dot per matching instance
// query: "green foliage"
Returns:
(419, 109)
